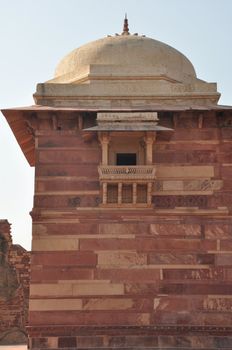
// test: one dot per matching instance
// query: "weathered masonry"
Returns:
(14, 288)
(132, 234)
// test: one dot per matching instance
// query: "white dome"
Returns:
(133, 54)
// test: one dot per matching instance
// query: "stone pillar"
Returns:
(149, 140)
(105, 139)
(104, 195)
(134, 193)
(149, 191)
(120, 193)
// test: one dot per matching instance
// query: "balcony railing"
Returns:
(136, 172)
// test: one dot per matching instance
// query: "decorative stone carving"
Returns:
(169, 202)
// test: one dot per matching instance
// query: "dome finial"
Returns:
(125, 26)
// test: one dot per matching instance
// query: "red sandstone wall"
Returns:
(14, 288)
(168, 268)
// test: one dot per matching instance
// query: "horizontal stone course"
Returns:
(63, 170)
(54, 273)
(51, 141)
(170, 258)
(69, 156)
(128, 274)
(200, 288)
(211, 273)
(55, 243)
(147, 244)
(181, 230)
(67, 200)
(87, 259)
(63, 229)
(75, 288)
(191, 319)
(86, 318)
(66, 185)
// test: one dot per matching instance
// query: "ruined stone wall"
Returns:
(14, 288)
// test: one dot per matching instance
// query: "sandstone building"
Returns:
(132, 234)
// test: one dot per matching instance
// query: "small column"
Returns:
(104, 194)
(134, 193)
(149, 140)
(149, 190)
(104, 139)
(80, 122)
(120, 193)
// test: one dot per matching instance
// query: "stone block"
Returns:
(108, 304)
(64, 200)
(41, 343)
(86, 342)
(183, 172)
(55, 243)
(173, 185)
(66, 184)
(67, 342)
(106, 244)
(186, 245)
(119, 228)
(64, 258)
(226, 244)
(177, 303)
(224, 259)
(136, 289)
(133, 342)
(226, 171)
(52, 342)
(65, 141)
(67, 170)
(55, 304)
(101, 288)
(121, 259)
(66, 227)
(223, 342)
(83, 318)
(218, 303)
(169, 157)
(219, 231)
(174, 342)
(69, 156)
(195, 289)
(181, 230)
(178, 259)
(201, 157)
(51, 290)
(38, 229)
(214, 274)
(75, 288)
(54, 273)
(128, 274)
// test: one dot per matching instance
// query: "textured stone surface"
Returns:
(14, 288)
(132, 267)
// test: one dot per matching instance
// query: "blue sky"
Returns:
(35, 35)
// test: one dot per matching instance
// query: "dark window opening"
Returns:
(126, 159)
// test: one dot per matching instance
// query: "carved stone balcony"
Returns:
(126, 186)
(126, 173)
